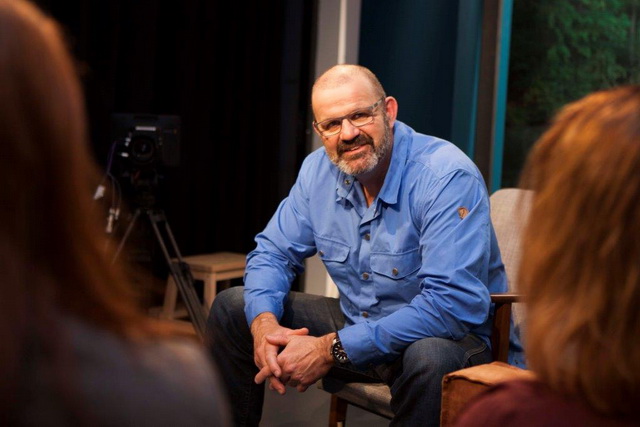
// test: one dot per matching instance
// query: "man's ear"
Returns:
(391, 106)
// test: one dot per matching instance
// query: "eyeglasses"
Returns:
(357, 118)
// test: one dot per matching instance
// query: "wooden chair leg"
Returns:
(338, 412)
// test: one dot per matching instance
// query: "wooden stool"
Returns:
(211, 269)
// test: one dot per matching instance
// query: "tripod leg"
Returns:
(126, 234)
(181, 273)
(171, 238)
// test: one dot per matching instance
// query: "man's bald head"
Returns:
(339, 75)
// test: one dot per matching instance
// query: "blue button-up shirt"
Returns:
(420, 261)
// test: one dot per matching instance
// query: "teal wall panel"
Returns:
(465, 91)
(501, 94)
(411, 46)
(426, 53)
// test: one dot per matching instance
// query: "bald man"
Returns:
(401, 222)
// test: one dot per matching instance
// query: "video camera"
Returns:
(143, 146)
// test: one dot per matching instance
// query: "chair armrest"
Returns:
(500, 327)
(506, 297)
(460, 387)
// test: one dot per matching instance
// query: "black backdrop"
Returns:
(240, 82)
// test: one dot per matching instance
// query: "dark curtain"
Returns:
(238, 74)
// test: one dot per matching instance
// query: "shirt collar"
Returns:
(401, 144)
(344, 185)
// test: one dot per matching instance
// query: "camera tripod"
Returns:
(179, 270)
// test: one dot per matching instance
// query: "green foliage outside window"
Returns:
(560, 51)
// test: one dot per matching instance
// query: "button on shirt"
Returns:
(409, 260)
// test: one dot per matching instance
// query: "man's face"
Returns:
(354, 150)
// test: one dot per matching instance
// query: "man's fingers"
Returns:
(301, 331)
(262, 375)
(271, 355)
(302, 388)
(282, 339)
(279, 340)
(291, 382)
(275, 384)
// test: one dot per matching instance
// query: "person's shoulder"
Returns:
(439, 156)
(316, 158)
(182, 353)
(150, 380)
(501, 404)
(91, 341)
(529, 403)
(518, 389)
(317, 168)
(142, 357)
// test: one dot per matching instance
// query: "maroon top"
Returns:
(526, 403)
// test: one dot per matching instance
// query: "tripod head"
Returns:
(145, 199)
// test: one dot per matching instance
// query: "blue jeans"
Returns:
(415, 378)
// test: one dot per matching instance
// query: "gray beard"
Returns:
(372, 159)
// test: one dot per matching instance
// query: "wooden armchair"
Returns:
(507, 215)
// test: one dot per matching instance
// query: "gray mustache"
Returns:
(357, 141)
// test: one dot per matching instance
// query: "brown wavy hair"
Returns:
(52, 242)
(581, 256)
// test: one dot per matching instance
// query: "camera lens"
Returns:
(142, 149)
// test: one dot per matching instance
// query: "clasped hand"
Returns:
(303, 359)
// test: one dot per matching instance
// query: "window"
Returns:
(560, 51)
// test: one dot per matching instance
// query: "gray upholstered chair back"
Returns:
(509, 208)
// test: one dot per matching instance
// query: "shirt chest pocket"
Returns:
(334, 256)
(331, 250)
(396, 266)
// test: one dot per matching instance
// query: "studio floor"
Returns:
(310, 409)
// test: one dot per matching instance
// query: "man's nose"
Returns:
(348, 131)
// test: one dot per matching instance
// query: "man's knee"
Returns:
(227, 305)
(438, 356)
(417, 387)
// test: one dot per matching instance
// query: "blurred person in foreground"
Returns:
(76, 349)
(580, 273)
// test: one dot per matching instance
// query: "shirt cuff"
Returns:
(261, 305)
(357, 343)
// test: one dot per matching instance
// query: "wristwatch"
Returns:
(338, 353)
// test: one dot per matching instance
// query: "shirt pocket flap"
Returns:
(396, 266)
(330, 250)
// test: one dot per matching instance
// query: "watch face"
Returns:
(338, 353)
